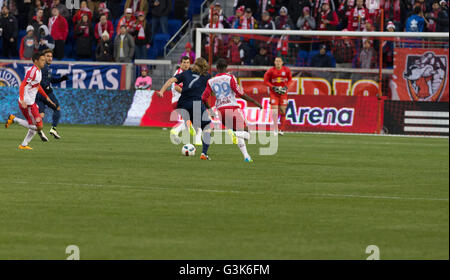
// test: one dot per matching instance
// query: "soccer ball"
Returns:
(188, 150)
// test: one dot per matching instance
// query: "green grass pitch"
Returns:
(127, 193)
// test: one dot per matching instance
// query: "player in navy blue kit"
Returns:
(194, 83)
(46, 82)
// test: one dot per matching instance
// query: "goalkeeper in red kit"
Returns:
(278, 78)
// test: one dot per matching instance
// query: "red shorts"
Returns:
(31, 113)
(278, 99)
(174, 105)
(232, 118)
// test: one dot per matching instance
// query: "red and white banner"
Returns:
(323, 113)
(420, 75)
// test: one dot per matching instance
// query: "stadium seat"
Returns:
(302, 58)
(174, 26)
(194, 8)
(313, 53)
(152, 53)
(159, 41)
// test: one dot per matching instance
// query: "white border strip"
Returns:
(362, 134)
(426, 129)
(434, 114)
(419, 35)
(427, 121)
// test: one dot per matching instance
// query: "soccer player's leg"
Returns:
(274, 104)
(38, 121)
(178, 127)
(34, 125)
(206, 132)
(184, 113)
(56, 115)
(10, 120)
(240, 129)
(227, 119)
(27, 122)
(283, 106)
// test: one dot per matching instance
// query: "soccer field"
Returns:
(128, 193)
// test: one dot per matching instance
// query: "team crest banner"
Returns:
(420, 75)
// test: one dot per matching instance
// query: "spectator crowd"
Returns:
(333, 15)
(113, 30)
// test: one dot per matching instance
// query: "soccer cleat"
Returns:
(281, 132)
(233, 136)
(10, 120)
(248, 160)
(54, 133)
(191, 128)
(43, 137)
(204, 157)
(25, 147)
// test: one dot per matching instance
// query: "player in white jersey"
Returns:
(28, 90)
(176, 94)
(226, 89)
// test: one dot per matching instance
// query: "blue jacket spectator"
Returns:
(416, 22)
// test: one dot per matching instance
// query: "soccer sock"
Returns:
(28, 138)
(242, 134)
(243, 147)
(198, 135)
(206, 140)
(282, 121)
(56, 117)
(24, 123)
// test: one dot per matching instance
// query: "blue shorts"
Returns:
(190, 112)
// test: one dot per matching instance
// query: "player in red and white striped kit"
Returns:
(28, 90)
(225, 88)
(176, 94)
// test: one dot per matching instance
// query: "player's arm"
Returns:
(22, 93)
(267, 76)
(42, 92)
(176, 88)
(240, 93)
(167, 85)
(289, 81)
(59, 80)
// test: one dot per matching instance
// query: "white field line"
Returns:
(238, 192)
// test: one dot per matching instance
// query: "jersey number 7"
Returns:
(194, 80)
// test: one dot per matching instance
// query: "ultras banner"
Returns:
(81, 76)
